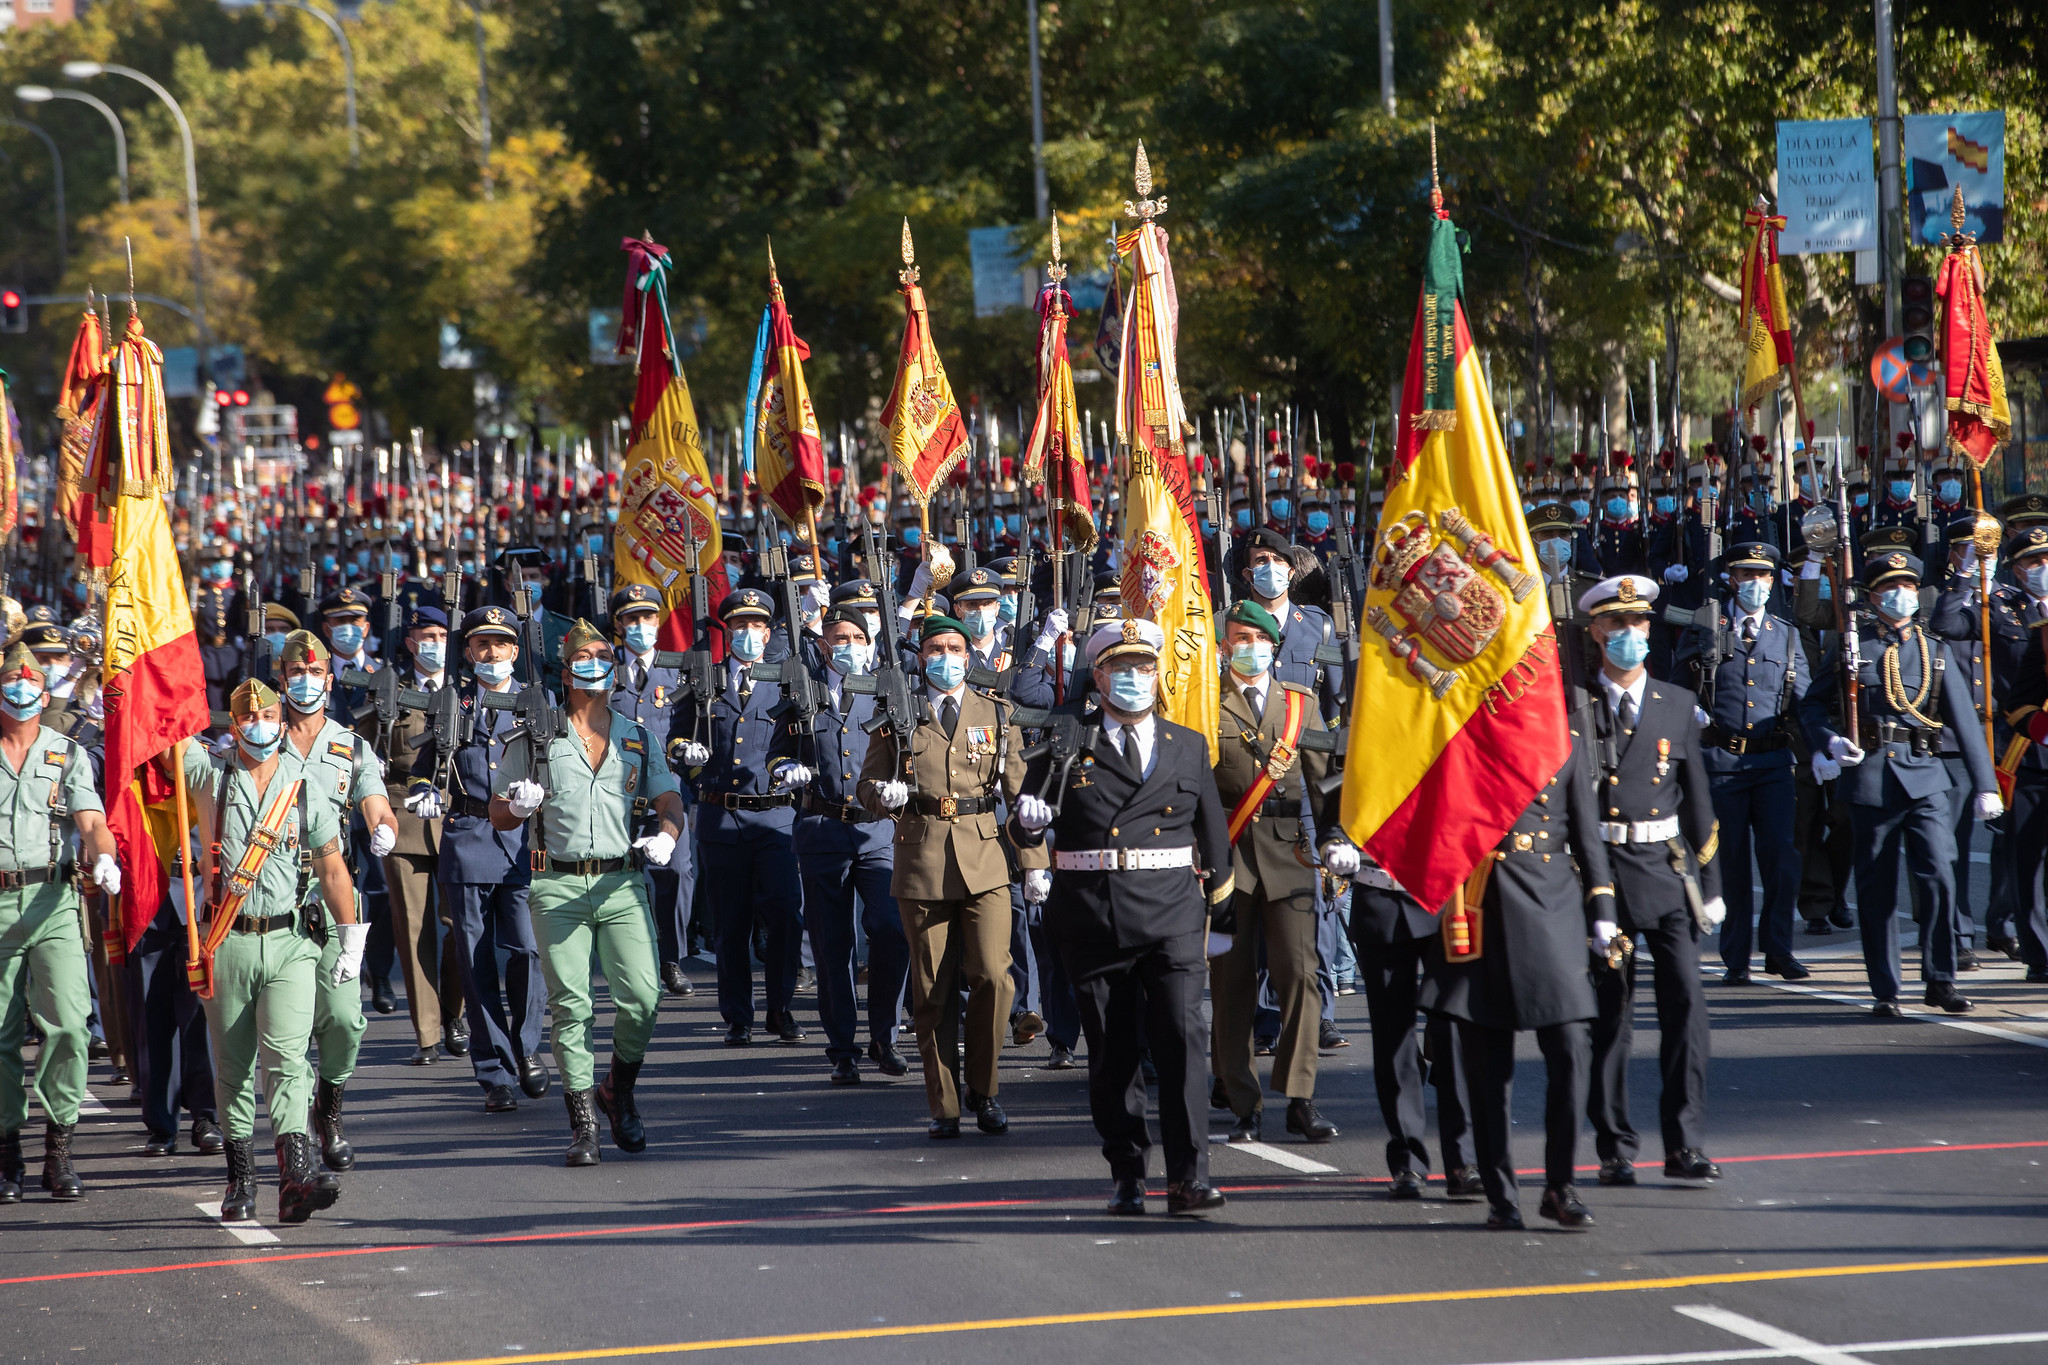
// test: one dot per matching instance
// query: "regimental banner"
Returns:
(789, 454)
(1458, 719)
(1766, 319)
(1826, 188)
(1055, 454)
(927, 436)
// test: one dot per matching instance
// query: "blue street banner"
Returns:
(1827, 191)
(1942, 151)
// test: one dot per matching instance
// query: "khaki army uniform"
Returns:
(433, 985)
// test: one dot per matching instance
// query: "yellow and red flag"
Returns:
(1979, 416)
(153, 684)
(77, 391)
(926, 434)
(1766, 321)
(789, 453)
(1165, 575)
(1056, 452)
(10, 495)
(665, 492)
(1457, 720)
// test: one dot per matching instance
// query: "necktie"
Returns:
(1749, 632)
(949, 716)
(1131, 755)
(639, 676)
(746, 683)
(1628, 713)
(1255, 699)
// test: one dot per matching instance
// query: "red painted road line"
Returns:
(892, 1210)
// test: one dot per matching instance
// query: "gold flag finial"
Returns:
(1146, 208)
(1955, 210)
(771, 256)
(1141, 172)
(1436, 189)
(910, 272)
(1057, 269)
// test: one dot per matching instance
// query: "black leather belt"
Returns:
(1922, 740)
(262, 924)
(589, 867)
(952, 807)
(734, 801)
(28, 876)
(1720, 737)
(851, 812)
(1282, 807)
(470, 805)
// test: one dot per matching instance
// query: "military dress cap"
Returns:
(1249, 613)
(1750, 554)
(803, 568)
(19, 659)
(852, 616)
(581, 634)
(345, 602)
(1266, 538)
(1109, 585)
(2027, 509)
(1004, 568)
(631, 598)
(1620, 595)
(39, 614)
(859, 592)
(484, 623)
(304, 647)
(1135, 639)
(1890, 566)
(46, 638)
(1961, 528)
(424, 615)
(274, 614)
(937, 624)
(250, 696)
(1553, 518)
(981, 584)
(1884, 538)
(746, 604)
(2027, 540)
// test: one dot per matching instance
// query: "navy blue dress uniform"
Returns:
(1656, 808)
(2023, 752)
(647, 692)
(223, 643)
(1619, 543)
(1762, 700)
(1304, 629)
(844, 851)
(1142, 874)
(1956, 618)
(1910, 692)
(747, 874)
(484, 876)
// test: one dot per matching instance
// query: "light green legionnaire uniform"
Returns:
(590, 893)
(341, 770)
(42, 952)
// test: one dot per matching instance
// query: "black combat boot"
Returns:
(58, 1178)
(12, 1171)
(335, 1151)
(615, 1097)
(301, 1194)
(582, 1129)
(238, 1200)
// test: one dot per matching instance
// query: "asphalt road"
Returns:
(1884, 1184)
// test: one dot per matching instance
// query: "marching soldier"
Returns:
(2020, 671)
(264, 837)
(952, 876)
(1268, 573)
(1657, 818)
(1898, 509)
(1618, 534)
(585, 787)
(1266, 779)
(345, 624)
(46, 790)
(1957, 618)
(222, 649)
(647, 692)
(1140, 895)
(977, 597)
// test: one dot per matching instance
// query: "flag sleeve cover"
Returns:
(1458, 717)
(666, 486)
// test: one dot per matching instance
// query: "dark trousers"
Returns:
(1920, 829)
(2025, 848)
(1682, 1044)
(172, 1058)
(380, 949)
(831, 881)
(1160, 983)
(506, 1009)
(1827, 847)
(1391, 972)
(1041, 980)
(1757, 808)
(753, 883)
(1962, 820)
(1490, 1073)
(668, 896)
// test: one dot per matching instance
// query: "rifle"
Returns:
(391, 616)
(801, 692)
(1082, 594)
(1346, 588)
(383, 688)
(701, 679)
(1219, 514)
(888, 684)
(447, 727)
(260, 663)
(540, 719)
(1065, 738)
(1027, 610)
(964, 533)
(1842, 570)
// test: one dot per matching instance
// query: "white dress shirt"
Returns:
(1113, 737)
(1615, 691)
(1255, 694)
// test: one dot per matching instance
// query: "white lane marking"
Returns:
(1789, 1343)
(1279, 1156)
(92, 1104)
(250, 1234)
(1910, 1012)
(1767, 1353)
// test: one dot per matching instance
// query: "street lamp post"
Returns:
(81, 71)
(348, 60)
(41, 94)
(57, 165)
(483, 97)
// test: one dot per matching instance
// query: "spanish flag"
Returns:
(1458, 718)
(926, 434)
(1766, 320)
(1055, 455)
(789, 454)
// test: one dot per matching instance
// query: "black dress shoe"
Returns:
(739, 1035)
(1328, 1039)
(783, 1026)
(1305, 1123)
(1062, 1059)
(207, 1138)
(455, 1037)
(942, 1128)
(1129, 1199)
(1790, 968)
(499, 1099)
(806, 979)
(887, 1059)
(533, 1076)
(1690, 1163)
(2037, 974)
(1263, 1047)
(421, 1056)
(1219, 1097)
(2004, 943)
(96, 1049)
(161, 1144)
(1247, 1128)
(1841, 918)
(1462, 1182)
(1407, 1185)
(1184, 1197)
(988, 1115)
(1887, 1009)
(674, 982)
(1819, 926)
(1561, 1206)
(381, 998)
(1617, 1170)
(1733, 977)
(1966, 961)
(844, 1072)
(1942, 995)
(1025, 1027)
(1504, 1218)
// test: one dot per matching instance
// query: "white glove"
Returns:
(1989, 807)
(384, 838)
(695, 755)
(816, 595)
(224, 745)
(1712, 913)
(657, 848)
(1605, 931)
(1054, 627)
(106, 874)
(793, 775)
(1340, 858)
(1700, 715)
(1969, 564)
(525, 797)
(1677, 573)
(1843, 752)
(1810, 570)
(349, 965)
(1219, 944)
(1037, 885)
(919, 581)
(1825, 769)
(1033, 814)
(425, 803)
(892, 795)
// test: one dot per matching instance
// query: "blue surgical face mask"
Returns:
(1806, 485)
(1861, 499)
(1617, 508)
(1666, 506)
(1318, 522)
(493, 673)
(913, 536)
(306, 692)
(2034, 577)
(24, 698)
(1827, 590)
(1281, 507)
(591, 675)
(1007, 608)
(1760, 499)
(1556, 552)
(1753, 593)
(259, 738)
(275, 639)
(1251, 659)
(431, 655)
(1951, 490)
(1902, 489)
(1271, 578)
(1015, 523)
(748, 644)
(1580, 507)
(851, 658)
(346, 639)
(1899, 603)
(979, 622)
(221, 572)
(639, 635)
(1241, 517)
(328, 565)
(1131, 691)
(946, 671)
(1627, 649)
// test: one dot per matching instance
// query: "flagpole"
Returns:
(192, 958)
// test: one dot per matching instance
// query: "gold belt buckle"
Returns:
(949, 807)
(1524, 843)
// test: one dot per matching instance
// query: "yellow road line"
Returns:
(1208, 1310)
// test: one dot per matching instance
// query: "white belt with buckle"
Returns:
(1122, 859)
(1641, 832)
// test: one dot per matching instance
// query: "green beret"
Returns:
(936, 625)
(1249, 613)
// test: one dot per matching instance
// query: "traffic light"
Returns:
(13, 311)
(1916, 318)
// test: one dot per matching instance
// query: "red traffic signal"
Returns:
(13, 311)
(222, 397)
(241, 398)
(10, 298)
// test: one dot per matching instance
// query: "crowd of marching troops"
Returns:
(927, 789)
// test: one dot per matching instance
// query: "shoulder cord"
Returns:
(58, 810)
(1894, 685)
